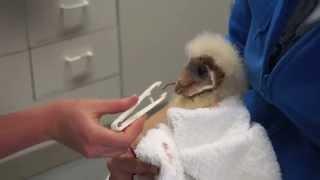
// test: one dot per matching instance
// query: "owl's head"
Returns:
(213, 66)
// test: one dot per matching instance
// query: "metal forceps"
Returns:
(124, 120)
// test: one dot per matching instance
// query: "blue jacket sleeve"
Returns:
(295, 85)
(239, 24)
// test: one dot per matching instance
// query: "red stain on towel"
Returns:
(166, 150)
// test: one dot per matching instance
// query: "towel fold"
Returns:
(210, 143)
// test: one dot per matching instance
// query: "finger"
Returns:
(144, 169)
(108, 152)
(121, 153)
(119, 139)
(120, 176)
(131, 133)
(113, 106)
(133, 166)
(128, 154)
(117, 173)
(113, 154)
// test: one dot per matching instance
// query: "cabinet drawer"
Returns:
(15, 80)
(12, 31)
(74, 63)
(153, 34)
(109, 88)
(53, 20)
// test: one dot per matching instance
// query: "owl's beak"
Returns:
(185, 81)
(188, 86)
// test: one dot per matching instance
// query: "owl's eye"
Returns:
(202, 71)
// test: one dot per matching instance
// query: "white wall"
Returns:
(154, 33)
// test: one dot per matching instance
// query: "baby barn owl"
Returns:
(214, 71)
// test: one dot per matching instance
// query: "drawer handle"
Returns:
(81, 4)
(86, 55)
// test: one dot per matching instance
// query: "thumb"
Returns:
(121, 139)
(131, 133)
(135, 129)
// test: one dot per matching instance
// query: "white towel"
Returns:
(210, 144)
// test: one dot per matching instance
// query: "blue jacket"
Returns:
(285, 99)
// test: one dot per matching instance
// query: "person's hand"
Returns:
(75, 124)
(125, 166)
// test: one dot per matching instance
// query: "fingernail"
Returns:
(133, 96)
(130, 96)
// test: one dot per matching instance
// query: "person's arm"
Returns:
(71, 122)
(23, 129)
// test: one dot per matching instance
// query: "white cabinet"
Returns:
(105, 89)
(74, 63)
(154, 34)
(53, 49)
(15, 80)
(53, 20)
(12, 30)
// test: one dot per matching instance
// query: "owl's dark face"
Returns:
(201, 74)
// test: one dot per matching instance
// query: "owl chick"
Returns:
(214, 71)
